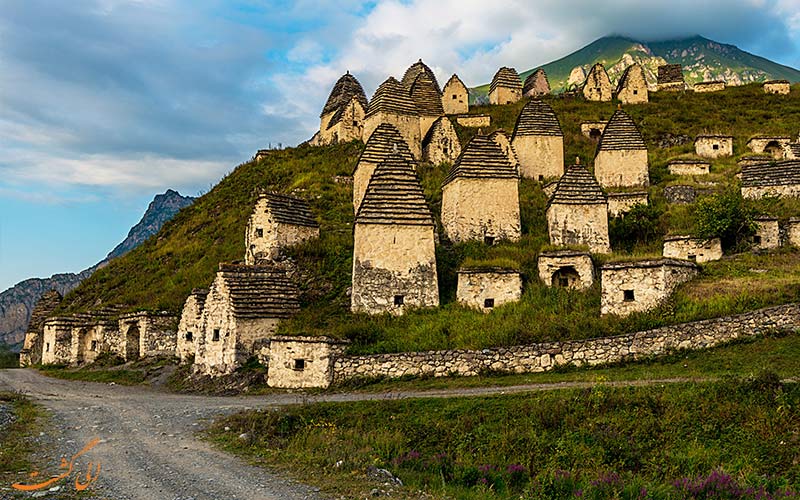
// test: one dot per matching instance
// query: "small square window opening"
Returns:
(215, 335)
(488, 303)
(399, 300)
(627, 295)
(299, 364)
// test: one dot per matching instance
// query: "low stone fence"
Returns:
(546, 356)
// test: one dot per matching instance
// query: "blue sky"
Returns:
(104, 103)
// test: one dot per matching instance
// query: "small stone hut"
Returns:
(506, 87)
(621, 158)
(146, 333)
(566, 269)
(92, 333)
(693, 249)
(342, 118)
(503, 139)
(488, 287)
(713, 146)
(33, 345)
(781, 179)
(714, 86)
(455, 96)
(539, 142)
(793, 231)
(629, 287)
(383, 142)
(536, 84)
(781, 87)
(302, 362)
(577, 214)
(597, 86)
(392, 104)
(428, 100)
(620, 203)
(480, 195)
(190, 326)
(278, 221)
(394, 259)
(774, 146)
(670, 78)
(632, 86)
(441, 144)
(57, 340)
(241, 312)
(688, 166)
(768, 233)
(593, 130)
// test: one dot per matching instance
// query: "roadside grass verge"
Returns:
(16, 445)
(139, 372)
(672, 441)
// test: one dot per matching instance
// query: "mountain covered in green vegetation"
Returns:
(160, 273)
(702, 60)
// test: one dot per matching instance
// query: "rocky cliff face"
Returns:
(17, 303)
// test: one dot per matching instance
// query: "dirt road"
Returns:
(148, 449)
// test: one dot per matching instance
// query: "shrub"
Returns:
(639, 226)
(725, 216)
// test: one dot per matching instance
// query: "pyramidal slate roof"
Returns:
(414, 71)
(455, 79)
(345, 89)
(287, 209)
(794, 149)
(391, 97)
(623, 80)
(771, 173)
(578, 187)
(426, 96)
(670, 73)
(482, 158)
(506, 77)
(621, 134)
(537, 118)
(263, 291)
(394, 196)
(385, 141)
(535, 80)
(595, 73)
(44, 307)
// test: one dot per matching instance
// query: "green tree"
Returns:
(639, 226)
(726, 216)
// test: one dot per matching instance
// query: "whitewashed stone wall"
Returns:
(566, 268)
(392, 261)
(716, 146)
(473, 209)
(793, 231)
(57, 340)
(265, 237)
(302, 362)
(781, 88)
(622, 168)
(621, 203)
(190, 326)
(485, 289)
(546, 356)
(708, 87)
(629, 287)
(474, 121)
(694, 249)
(154, 332)
(455, 98)
(687, 167)
(505, 95)
(774, 146)
(541, 157)
(31, 353)
(758, 192)
(768, 233)
(350, 126)
(575, 225)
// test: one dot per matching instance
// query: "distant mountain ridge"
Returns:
(17, 303)
(702, 60)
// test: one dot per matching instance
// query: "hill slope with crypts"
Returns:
(702, 60)
(160, 273)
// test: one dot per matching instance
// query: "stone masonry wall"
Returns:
(694, 249)
(793, 232)
(189, 328)
(274, 236)
(640, 287)
(57, 342)
(455, 98)
(688, 168)
(540, 157)
(560, 264)
(758, 192)
(475, 208)
(475, 287)
(350, 126)
(709, 87)
(505, 95)
(474, 121)
(776, 88)
(301, 362)
(768, 234)
(622, 168)
(407, 125)
(714, 146)
(621, 203)
(546, 356)
(570, 225)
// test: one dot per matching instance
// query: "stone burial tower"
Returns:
(392, 104)
(480, 196)
(632, 86)
(455, 96)
(424, 91)
(342, 118)
(394, 258)
(597, 86)
(536, 84)
(384, 141)
(278, 221)
(539, 142)
(621, 159)
(577, 214)
(506, 87)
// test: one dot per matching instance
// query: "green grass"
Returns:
(8, 358)
(606, 442)
(16, 444)
(185, 254)
(104, 370)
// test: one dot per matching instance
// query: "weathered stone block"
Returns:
(566, 269)
(486, 288)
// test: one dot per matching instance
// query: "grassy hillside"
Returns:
(160, 273)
